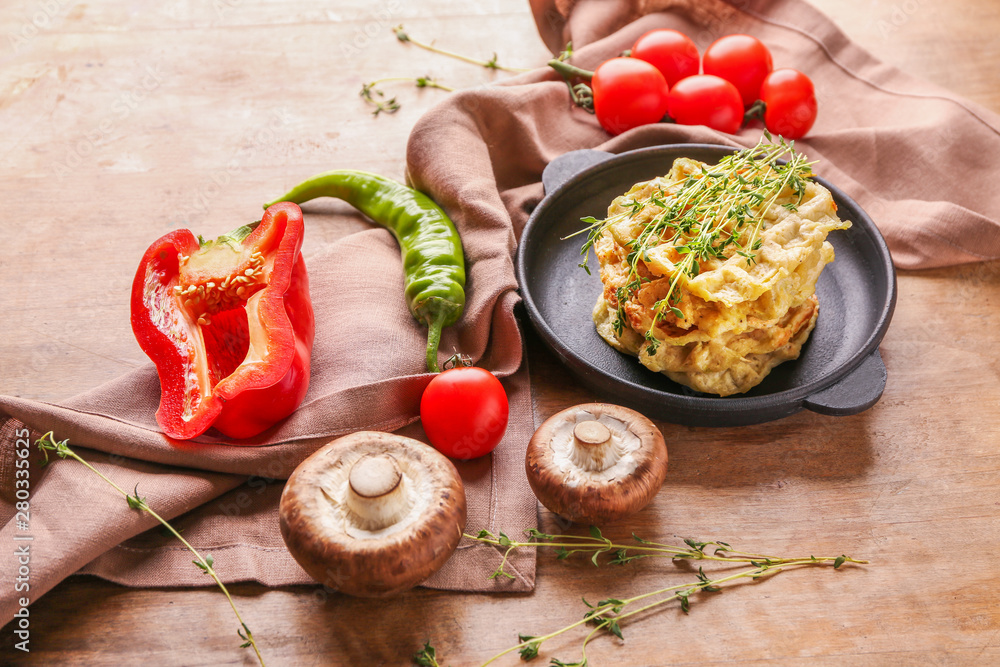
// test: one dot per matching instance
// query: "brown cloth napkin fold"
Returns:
(368, 375)
(368, 372)
(918, 158)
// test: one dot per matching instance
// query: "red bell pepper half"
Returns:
(228, 324)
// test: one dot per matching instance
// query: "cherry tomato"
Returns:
(671, 52)
(628, 93)
(742, 60)
(704, 99)
(790, 103)
(464, 412)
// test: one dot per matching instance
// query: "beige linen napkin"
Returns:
(919, 159)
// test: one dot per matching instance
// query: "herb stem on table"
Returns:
(607, 615)
(47, 443)
(596, 544)
(492, 63)
(375, 97)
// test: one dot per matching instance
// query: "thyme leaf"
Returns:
(376, 98)
(426, 657)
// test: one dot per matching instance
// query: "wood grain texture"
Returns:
(123, 119)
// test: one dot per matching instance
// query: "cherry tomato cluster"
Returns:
(739, 82)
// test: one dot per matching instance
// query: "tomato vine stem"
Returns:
(581, 93)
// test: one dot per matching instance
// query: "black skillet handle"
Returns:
(855, 393)
(569, 165)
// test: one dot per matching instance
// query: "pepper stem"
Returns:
(238, 235)
(434, 327)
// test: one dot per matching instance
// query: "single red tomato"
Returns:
(742, 60)
(628, 93)
(704, 99)
(671, 52)
(790, 101)
(464, 412)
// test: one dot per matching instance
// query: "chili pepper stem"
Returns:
(48, 443)
(434, 327)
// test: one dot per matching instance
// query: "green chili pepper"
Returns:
(428, 241)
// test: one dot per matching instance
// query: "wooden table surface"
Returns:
(123, 118)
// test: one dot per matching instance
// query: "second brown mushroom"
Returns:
(596, 462)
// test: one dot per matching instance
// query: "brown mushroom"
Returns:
(373, 514)
(596, 462)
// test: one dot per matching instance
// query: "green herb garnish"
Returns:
(47, 443)
(607, 615)
(715, 213)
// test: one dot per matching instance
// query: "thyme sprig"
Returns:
(607, 615)
(47, 443)
(714, 213)
(426, 657)
(375, 97)
(492, 63)
(596, 544)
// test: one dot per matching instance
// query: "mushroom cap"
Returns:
(321, 531)
(596, 497)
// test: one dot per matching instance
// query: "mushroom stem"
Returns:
(594, 450)
(377, 494)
